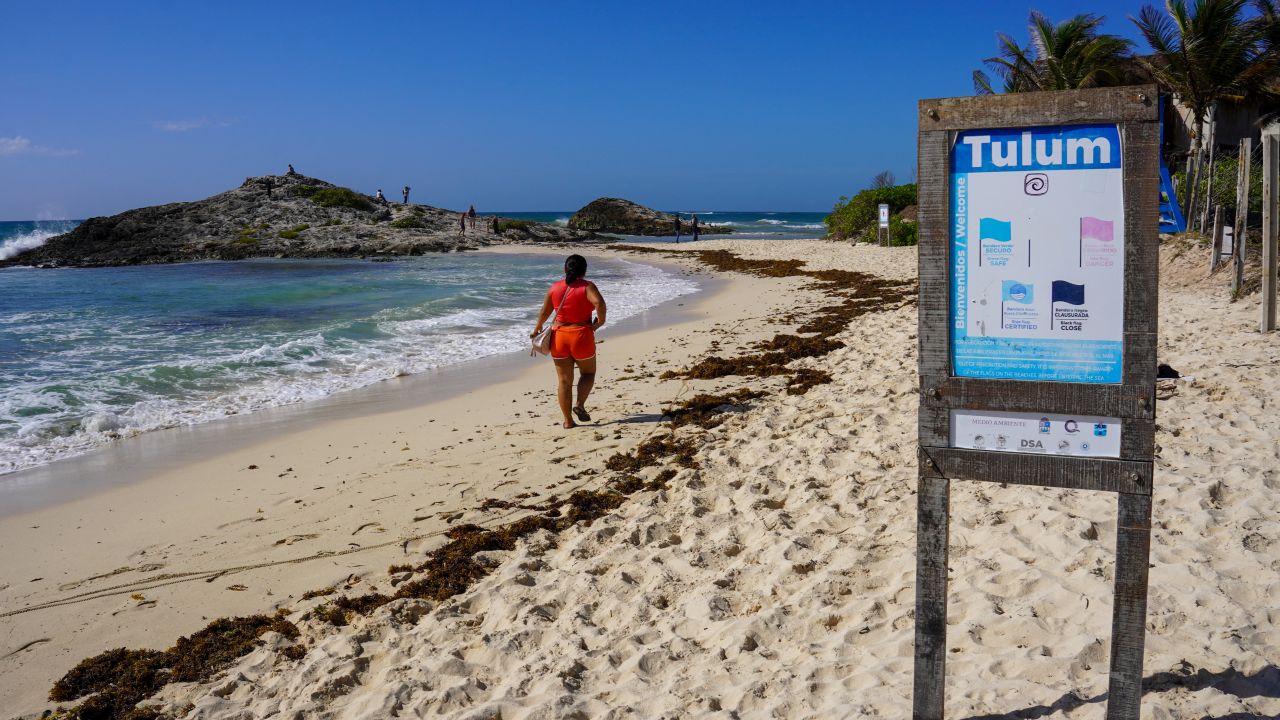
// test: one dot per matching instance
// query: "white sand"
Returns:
(331, 504)
(777, 579)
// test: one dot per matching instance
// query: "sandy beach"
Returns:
(764, 570)
(330, 503)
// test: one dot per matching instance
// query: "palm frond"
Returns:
(1060, 56)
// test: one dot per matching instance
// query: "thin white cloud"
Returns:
(188, 125)
(18, 145)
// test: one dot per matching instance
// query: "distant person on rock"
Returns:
(472, 214)
(573, 335)
(267, 182)
(677, 227)
(291, 172)
(695, 227)
(462, 223)
(406, 194)
(382, 200)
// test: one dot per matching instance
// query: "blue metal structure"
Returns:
(1171, 220)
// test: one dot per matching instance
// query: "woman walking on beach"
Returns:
(573, 339)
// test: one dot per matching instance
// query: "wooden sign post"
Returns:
(1038, 277)
(1270, 224)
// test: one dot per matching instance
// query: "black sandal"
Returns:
(581, 413)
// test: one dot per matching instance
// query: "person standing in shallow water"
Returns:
(573, 337)
(695, 227)
(677, 227)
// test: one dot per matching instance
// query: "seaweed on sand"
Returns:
(117, 680)
(114, 682)
(777, 353)
(653, 451)
(452, 568)
(805, 379)
(857, 294)
(707, 411)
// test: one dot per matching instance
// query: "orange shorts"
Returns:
(573, 341)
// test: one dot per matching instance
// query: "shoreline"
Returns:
(138, 457)
(237, 529)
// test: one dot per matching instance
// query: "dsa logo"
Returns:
(1035, 183)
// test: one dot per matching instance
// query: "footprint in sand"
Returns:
(27, 646)
(135, 603)
(255, 518)
(149, 567)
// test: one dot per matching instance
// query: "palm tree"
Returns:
(1206, 51)
(1268, 25)
(1068, 55)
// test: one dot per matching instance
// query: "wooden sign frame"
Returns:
(1135, 112)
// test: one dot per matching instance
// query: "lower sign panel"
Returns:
(1077, 435)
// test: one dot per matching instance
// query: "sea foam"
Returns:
(83, 397)
(33, 239)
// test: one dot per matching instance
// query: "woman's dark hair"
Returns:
(575, 268)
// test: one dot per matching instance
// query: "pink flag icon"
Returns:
(1095, 229)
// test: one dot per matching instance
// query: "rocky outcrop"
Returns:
(281, 216)
(615, 215)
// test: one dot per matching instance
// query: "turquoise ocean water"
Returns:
(756, 225)
(91, 355)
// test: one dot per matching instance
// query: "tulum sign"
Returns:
(1037, 326)
(1038, 254)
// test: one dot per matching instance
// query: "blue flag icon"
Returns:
(992, 229)
(1066, 292)
(1014, 291)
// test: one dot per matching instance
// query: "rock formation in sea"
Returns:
(615, 215)
(281, 216)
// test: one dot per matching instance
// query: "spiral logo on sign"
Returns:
(1035, 184)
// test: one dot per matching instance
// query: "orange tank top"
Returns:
(577, 308)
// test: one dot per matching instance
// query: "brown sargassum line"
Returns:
(115, 682)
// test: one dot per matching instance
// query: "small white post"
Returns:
(1216, 259)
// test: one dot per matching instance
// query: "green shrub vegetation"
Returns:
(249, 233)
(504, 225)
(901, 232)
(1226, 173)
(341, 197)
(294, 231)
(333, 221)
(408, 222)
(856, 218)
(305, 190)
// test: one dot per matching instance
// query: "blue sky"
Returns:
(510, 106)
